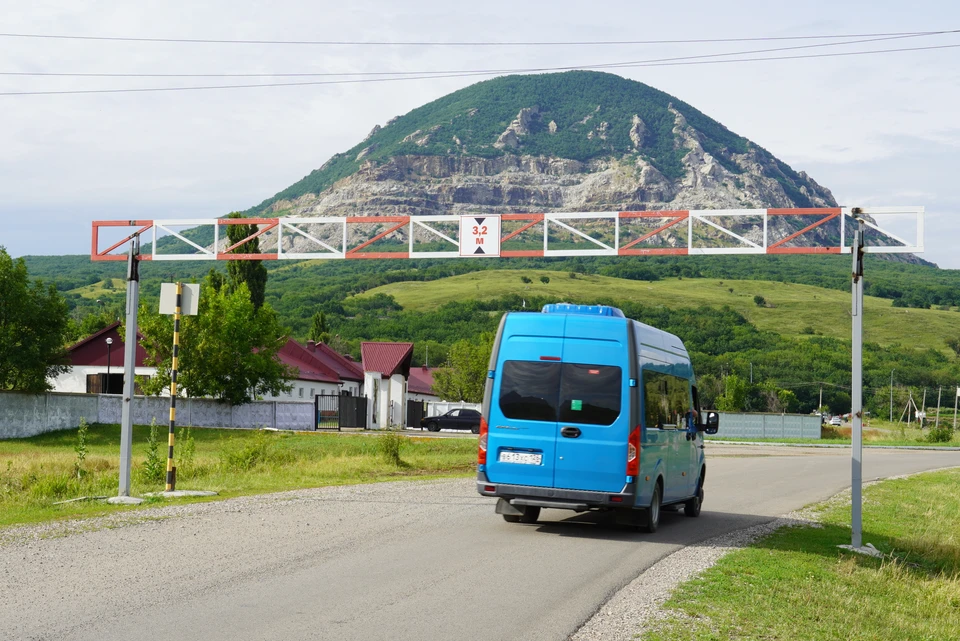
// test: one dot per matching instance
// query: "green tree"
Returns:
(249, 272)
(759, 300)
(320, 331)
(734, 397)
(228, 351)
(34, 326)
(466, 371)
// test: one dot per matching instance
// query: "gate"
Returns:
(416, 410)
(353, 411)
(335, 412)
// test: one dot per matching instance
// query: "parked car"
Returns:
(458, 419)
(836, 421)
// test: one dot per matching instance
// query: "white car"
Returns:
(836, 421)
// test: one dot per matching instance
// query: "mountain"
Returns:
(574, 141)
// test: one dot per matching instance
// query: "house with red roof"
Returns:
(386, 367)
(319, 370)
(420, 384)
(97, 364)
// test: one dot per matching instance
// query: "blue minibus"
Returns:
(585, 409)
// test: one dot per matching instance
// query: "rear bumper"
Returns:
(562, 499)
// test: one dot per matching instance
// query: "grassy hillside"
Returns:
(792, 310)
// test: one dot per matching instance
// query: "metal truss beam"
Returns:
(625, 233)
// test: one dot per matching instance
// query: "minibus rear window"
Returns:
(589, 394)
(528, 390)
(568, 392)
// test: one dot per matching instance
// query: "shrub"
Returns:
(187, 448)
(389, 444)
(254, 452)
(942, 434)
(544, 279)
(81, 447)
(153, 467)
(525, 279)
(759, 300)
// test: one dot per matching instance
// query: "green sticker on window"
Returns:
(576, 405)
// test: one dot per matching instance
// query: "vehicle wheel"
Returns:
(475, 429)
(511, 518)
(652, 517)
(530, 514)
(692, 507)
(433, 427)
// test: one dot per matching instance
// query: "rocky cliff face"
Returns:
(463, 156)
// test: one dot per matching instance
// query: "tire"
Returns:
(530, 514)
(433, 427)
(475, 429)
(692, 507)
(652, 517)
(511, 518)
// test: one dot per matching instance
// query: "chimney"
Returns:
(312, 346)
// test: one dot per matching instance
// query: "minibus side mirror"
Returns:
(711, 424)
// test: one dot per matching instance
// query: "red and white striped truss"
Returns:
(625, 233)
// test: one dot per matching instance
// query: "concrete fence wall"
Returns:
(769, 425)
(23, 415)
(435, 408)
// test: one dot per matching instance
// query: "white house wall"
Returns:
(305, 391)
(74, 381)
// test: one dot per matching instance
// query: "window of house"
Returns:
(300, 390)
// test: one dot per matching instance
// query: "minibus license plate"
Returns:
(528, 458)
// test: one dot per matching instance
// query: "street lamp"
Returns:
(109, 343)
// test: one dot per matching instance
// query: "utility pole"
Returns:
(939, 393)
(129, 368)
(821, 398)
(891, 393)
(856, 396)
(922, 414)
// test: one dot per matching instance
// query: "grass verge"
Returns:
(37, 472)
(796, 583)
(878, 433)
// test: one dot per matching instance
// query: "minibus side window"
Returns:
(666, 400)
(590, 394)
(529, 390)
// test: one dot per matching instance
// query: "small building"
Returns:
(386, 367)
(349, 371)
(97, 364)
(313, 376)
(420, 385)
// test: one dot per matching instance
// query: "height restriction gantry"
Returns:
(624, 233)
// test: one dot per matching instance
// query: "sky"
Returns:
(877, 130)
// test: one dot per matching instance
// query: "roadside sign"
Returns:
(480, 236)
(190, 299)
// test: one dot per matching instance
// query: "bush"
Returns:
(525, 279)
(544, 279)
(942, 434)
(154, 467)
(255, 452)
(759, 300)
(81, 447)
(389, 445)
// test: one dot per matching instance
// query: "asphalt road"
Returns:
(409, 560)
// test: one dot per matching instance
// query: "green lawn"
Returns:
(793, 310)
(797, 584)
(37, 472)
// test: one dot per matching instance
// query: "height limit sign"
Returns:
(480, 235)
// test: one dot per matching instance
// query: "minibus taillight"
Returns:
(482, 442)
(633, 452)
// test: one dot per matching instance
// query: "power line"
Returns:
(453, 71)
(481, 43)
(470, 73)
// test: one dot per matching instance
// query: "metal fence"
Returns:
(769, 425)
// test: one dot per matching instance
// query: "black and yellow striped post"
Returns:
(171, 470)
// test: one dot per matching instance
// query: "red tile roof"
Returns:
(92, 350)
(387, 358)
(421, 380)
(306, 364)
(345, 368)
